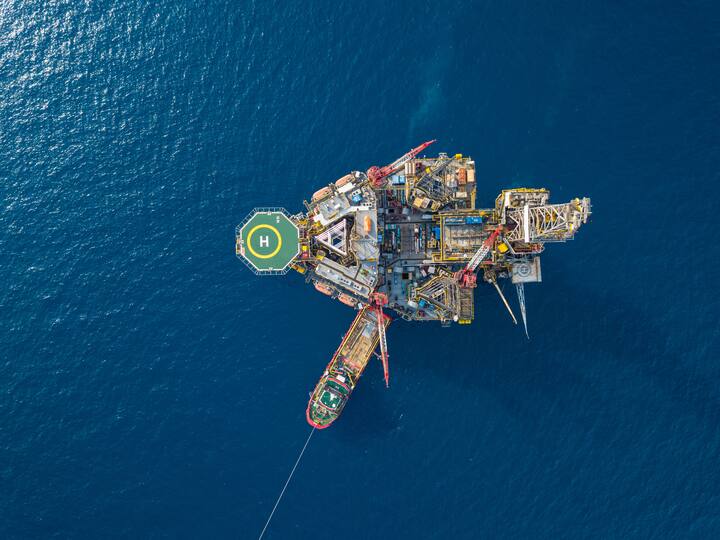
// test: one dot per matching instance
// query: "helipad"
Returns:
(267, 240)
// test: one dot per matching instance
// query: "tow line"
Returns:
(286, 484)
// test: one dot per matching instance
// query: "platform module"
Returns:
(267, 241)
(409, 238)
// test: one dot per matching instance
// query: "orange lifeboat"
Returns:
(347, 300)
(320, 193)
(344, 180)
(325, 289)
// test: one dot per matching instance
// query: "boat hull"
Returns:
(338, 381)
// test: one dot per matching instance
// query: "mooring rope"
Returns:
(286, 484)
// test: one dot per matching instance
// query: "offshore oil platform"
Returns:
(406, 237)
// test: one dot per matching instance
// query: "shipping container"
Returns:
(397, 180)
(454, 221)
(462, 177)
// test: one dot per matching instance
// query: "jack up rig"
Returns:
(405, 237)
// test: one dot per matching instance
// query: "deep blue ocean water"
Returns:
(152, 387)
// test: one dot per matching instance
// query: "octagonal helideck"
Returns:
(267, 241)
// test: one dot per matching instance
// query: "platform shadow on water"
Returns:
(585, 327)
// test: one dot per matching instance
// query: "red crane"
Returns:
(378, 174)
(378, 301)
(466, 277)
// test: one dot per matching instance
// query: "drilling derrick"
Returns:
(528, 218)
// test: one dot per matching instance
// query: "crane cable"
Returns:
(286, 484)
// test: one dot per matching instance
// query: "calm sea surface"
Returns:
(152, 387)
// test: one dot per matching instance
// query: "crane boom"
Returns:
(379, 300)
(377, 174)
(410, 155)
(466, 276)
(383, 345)
(481, 253)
